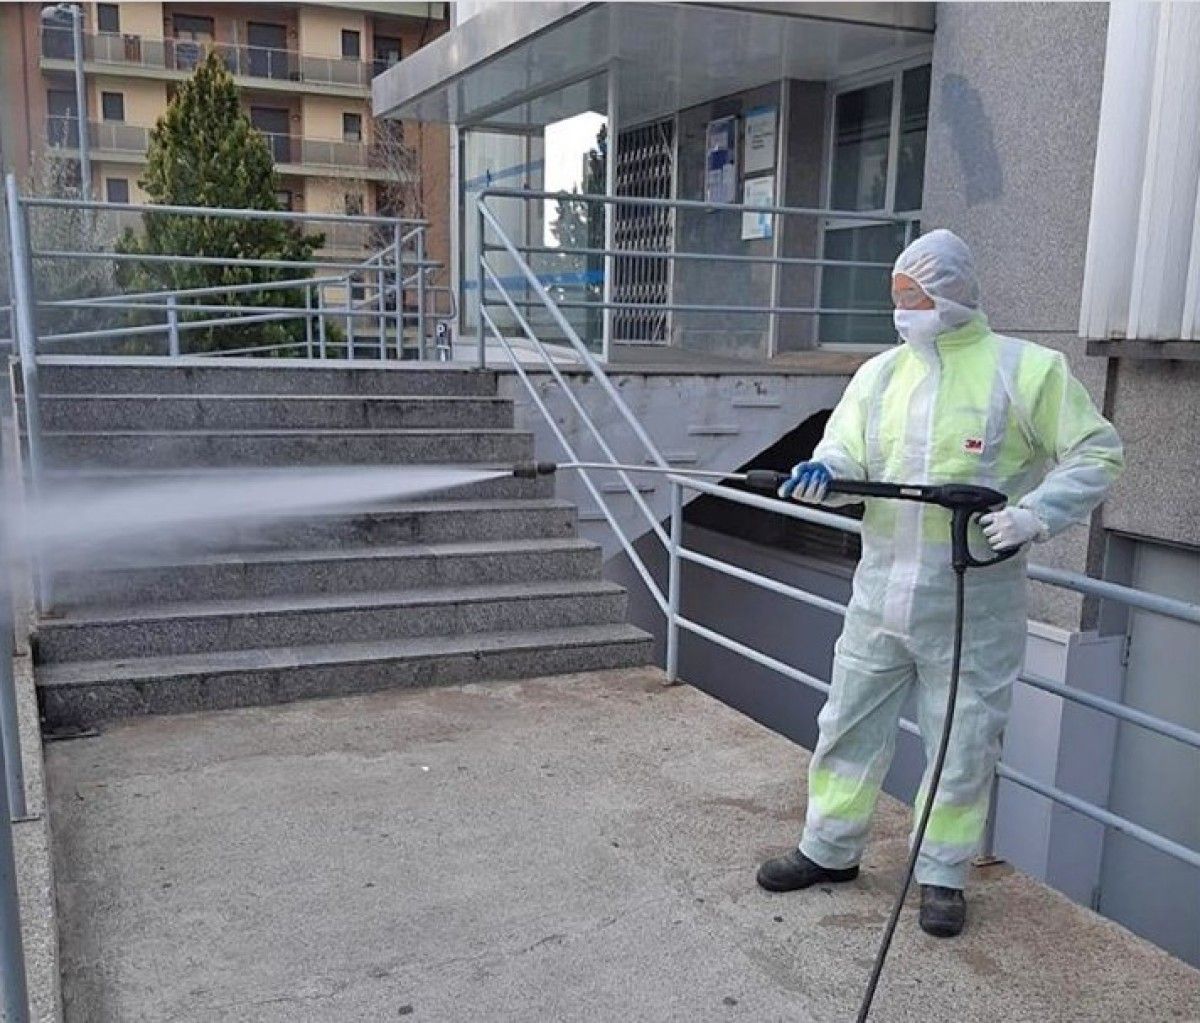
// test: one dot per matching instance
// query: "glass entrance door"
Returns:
(554, 143)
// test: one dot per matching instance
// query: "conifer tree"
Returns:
(204, 152)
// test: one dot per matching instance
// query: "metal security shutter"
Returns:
(645, 169)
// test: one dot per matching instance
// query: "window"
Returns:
(108, 17)
(352, 127)
(62, 126)
(877, 165)
(283, 199)
(387, 51)
(193, 27)
(113, 106)
(354, 204)
(351, 44)
(116, 189)
(191, 33)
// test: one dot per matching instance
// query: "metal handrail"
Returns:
(1180, 610)
(862, 218)
(219, 212)
(678, 553)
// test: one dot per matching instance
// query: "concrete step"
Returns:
(345, 570)
(84, 413)
(90, 483)
(85, 693)
(358, 617)
(417, 521)
(284, 448)
(60, 374)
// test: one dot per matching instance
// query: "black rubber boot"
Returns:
(943, 911)
(794, 871)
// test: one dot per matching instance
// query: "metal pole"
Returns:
(379, 301)
(10, 734)
(421, 293)
(479, 280)
(85, 142)
(14, 996)
(609, 212)
(398, 270)
(24, 301)
(173, 325)
(673, 583)
(321, 319)
(308, 324)
(987, 847)
(349, 320)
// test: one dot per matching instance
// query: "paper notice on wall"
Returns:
(760, 141)
(758, 192)
(720, 177)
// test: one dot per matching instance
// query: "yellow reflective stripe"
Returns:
(954, 825)
(835, 795)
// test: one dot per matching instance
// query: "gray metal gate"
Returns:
(645, 169)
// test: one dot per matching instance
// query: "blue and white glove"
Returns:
(809, 483)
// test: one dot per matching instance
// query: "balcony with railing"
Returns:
(172, 56)
(294, 154)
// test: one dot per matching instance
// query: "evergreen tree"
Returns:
(204, 152)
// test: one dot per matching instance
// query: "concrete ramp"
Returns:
(571, 848)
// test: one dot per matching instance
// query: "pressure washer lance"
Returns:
(965, 502)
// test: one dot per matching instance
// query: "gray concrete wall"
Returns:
(743, 335)
(1156, 408)
(1012, 136)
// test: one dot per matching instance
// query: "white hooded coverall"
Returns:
(970, 407)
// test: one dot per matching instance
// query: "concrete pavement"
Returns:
(576, 848)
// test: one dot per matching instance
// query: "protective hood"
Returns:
(943, 266)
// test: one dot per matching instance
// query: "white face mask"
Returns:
(919, 327)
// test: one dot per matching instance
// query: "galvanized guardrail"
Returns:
(672, 539)
(627, 285)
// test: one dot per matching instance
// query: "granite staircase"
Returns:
(482, 582)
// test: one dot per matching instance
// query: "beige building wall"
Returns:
(323, 116)
(129, 171)
(142, 19)
(320, 30)
(325, 195)
(145, 101)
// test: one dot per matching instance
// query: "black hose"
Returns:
(934, 779)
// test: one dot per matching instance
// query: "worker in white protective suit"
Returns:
(956, 403)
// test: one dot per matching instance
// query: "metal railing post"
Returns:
(308, 323)
(379, 301)
(321, 321)
(173, 325)
(10, 732)
(421, 293)
(349, 320)
(987, 845)
(25, 322)
(398, 270)
(479, 280)
(673, 583)
(14, 995)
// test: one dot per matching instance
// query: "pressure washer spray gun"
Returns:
(965, 502)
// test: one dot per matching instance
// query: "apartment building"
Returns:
(304, 71)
